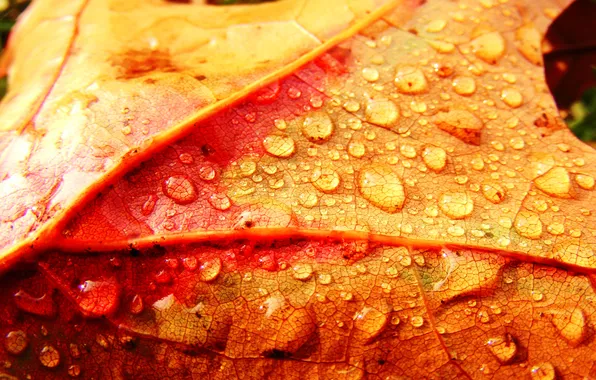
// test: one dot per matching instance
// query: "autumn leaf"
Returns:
(295, 189)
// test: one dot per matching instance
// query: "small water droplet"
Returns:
(180, 188)
(210, 269)
(489, 47)
(74, 370)
(395, 320)
(75, 352)
(294, 93)
(325, 179)
(325, 278)
(220, 201)
(382, 112)
(371, 322)
(382, 187)
(528, 224)
(407, 151)
(464, 86)
(49, 357)
(543, 371)
(352, 106)
(417, 321)
(207, 173)
(456, 205)
(308, 200)
(16, 342)
(410, 80)
(318, 127)
(370, 74)
(503, 348)
(517, 143)
(98, 298)
(280, 124)
(406, 261)
(279, 145)
(585, 181)
(434, 158)
(556, 228)
(103, 342)
(493, 192)
(43, 306)
(346, 296)
(136, 305)
(537, 295)
(512, 97)
(302, 272)
(186, 158)
(356, 149)
(529, 43)
(483, 316)
(316, 101)
(436, 25)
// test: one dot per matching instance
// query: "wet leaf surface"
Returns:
(407, 204)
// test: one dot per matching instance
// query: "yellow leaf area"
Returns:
(96, 86)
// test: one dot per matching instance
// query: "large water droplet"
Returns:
(503, 348)
(370, 74)
(528, 224)
(302, 272)
(49, 357)
(555, 182)
(585, 181)
(543, 371)
(382, 112)
(512, 97)
(464, 86)
(318, 127)
(493, 192)
(434, 158)
(370, 322)
(220, 201)
(279, 145)
(98, 298)
(489, 47)
(461, 124)
(528, 41)
(207, 173)
(210, 269)
(325, 179)
(356, 148)
(456, 205)
(410, 80)
(571, 326)
(180, 188)
(16, 342)
(43, 306)
(382, 187)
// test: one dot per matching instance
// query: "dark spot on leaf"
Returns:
(137, 63)
(207, 150)
(277, 354)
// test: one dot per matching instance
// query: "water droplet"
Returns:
(528, 224)
(98, 298)
(418, 106)
(43, 306)
(585, 181)
(16, 342)
(460, 124)
(302, 272)
(280, 124)
(436, 26)
(371, 322)
(75, 352)
(537, 295)
(489, 47)
(407, 151)
(543, 371)
(493, 192)
(517, 143)
(382, 112)
(395, 320)
(294, 93)
(417, 321)
(528, 43)
(136, 305)
(74, 370)
(370, 74)
(186, 158)
(316, 101)
(382, 187)
(325, 179)
(308, 200)
(210, 269)
(103, 342)
(410, 80)
(49, 357)
(207, 173)
(456, 205)
(180, 188)
(406, 261)
(352, 106)
(356, 149)
(572, 327)
(456, 231)
(325, 278)
(220, 201)
(483, 316)
(556, 228)
(434, 158)
(318, 127)
(503, 348)
(555, 182)
(464, 86)
(279, 146)
(512, 97)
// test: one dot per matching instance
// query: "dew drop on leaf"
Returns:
(74, 370)
(220, 201)
(186, 158)
(464, 85)
(279, 145)
(461, 124)
(382, 187)
(190, 263)
(410, 80)
(370, 74)
(302, 272)
(43, 306)
(136, 304)
(317, 127)
(325, 179)
(435, 158)
(571, 326)
(512, 97)
(489, 47)
(382, 112)
(98, 298)
(585, 181)
(180, 188)
(543, 371)
(207, 173)
(528, 224)
(417, 321)
(149, 205)
(16, 342)
(493, 192)
(210, 269)
(555, 182)
(503, 348)
(371, 322)
(456, 205)
(49, 357)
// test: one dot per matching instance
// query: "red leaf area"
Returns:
(205, 262)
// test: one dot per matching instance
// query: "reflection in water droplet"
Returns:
(556, 228)
(456, 205)
(503, 348)
(279, 146)
(543, 371)
(98, 298)
(356, 149)
(528, 224)
(382, 187)
(302, 271)
(180, 188)
(43, 306)
(537, 295)
(210, 269)
(49, 357)
(16, 342)
(325, 180)
(382, 112)
(434, 158)
(220, 201)
(317, 127)
(410, 80)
